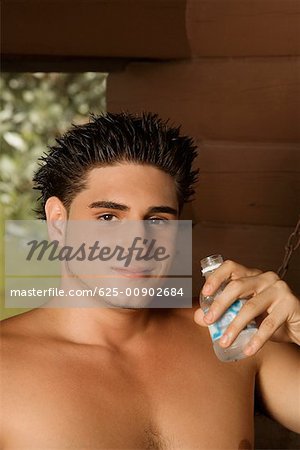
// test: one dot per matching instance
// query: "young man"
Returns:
(139, 378)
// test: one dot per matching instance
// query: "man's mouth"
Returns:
(133, 272)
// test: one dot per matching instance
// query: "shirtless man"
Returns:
(120, 378)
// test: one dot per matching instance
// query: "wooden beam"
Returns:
(248, 198)
(244, 99)
(243, 28)
(107, 29)
(257, 157)
(161, 29)
(248, 183)
(70, 64)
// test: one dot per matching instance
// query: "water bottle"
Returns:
(217, 329)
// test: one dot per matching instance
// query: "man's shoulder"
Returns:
(18, 336)
(276, 353)
(18, 325)
(23, 355)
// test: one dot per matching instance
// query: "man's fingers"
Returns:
(267, 328)
(267, 302)
(252, 308)
(198, 317)
(229, 270)
(240, 288)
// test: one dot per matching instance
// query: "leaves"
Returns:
(36, 108)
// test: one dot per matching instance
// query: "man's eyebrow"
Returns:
(109, 205)
(121, 207)
(162, 209)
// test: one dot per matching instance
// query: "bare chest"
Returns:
(176, 399)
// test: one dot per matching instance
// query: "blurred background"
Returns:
(36, 108)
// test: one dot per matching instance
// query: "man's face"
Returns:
(115, 196)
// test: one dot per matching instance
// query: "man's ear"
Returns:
(57, 216)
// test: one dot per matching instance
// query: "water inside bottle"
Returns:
(235, 351)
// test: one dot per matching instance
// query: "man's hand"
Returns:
(270, 302)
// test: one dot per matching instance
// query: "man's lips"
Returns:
(133, 272)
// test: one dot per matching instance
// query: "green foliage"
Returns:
(35, 108)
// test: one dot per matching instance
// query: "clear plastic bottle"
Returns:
(217, 329)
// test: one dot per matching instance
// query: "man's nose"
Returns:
(132, 230)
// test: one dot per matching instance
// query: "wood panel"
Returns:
(226, 156)
(118, 28)
(243, 28)
(253, 246)
(151, 29)
(253, 198)
(243, 99)
(247, 183)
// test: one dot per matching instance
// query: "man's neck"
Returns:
(110, 327)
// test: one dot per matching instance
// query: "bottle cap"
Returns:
(210, 268)
(211, 262)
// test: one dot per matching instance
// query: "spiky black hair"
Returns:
(108, 139)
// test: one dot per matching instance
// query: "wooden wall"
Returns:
(95, 28)
(159, 29)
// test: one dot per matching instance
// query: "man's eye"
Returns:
(157, 221)
(107, 218)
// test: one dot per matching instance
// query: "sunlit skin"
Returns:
(94, 208)
(117, 378)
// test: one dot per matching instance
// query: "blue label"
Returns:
(218, 328)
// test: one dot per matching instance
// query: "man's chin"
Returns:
(128, 303)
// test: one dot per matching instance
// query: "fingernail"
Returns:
(224, 339)
(249, 350)
(206, 290)
(209, 316)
